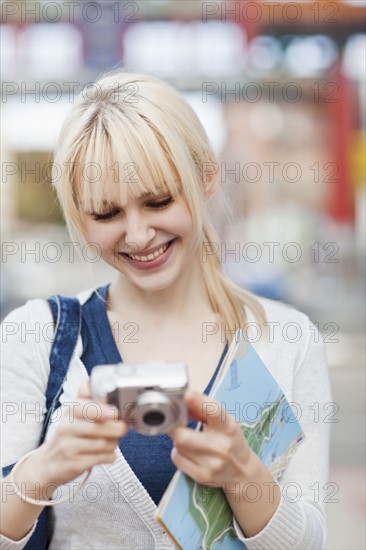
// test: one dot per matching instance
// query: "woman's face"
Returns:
(149, 239)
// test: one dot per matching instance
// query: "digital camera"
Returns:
(148, 396)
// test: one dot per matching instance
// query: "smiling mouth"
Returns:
(150, 257)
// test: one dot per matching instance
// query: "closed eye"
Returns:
(107, 215)
(161, 204)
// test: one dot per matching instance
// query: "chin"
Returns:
(159, 282)
(153, 287)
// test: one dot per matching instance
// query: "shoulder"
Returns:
(31, 325)
(39, 310)
(282, 312)
(288, 341)
(26, 336)
(286, 325)
(18, 320)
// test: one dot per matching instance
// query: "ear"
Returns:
(210, 176)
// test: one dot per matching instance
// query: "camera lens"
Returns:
(154, 418)
(157, 412)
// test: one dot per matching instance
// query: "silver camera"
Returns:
(148, 396)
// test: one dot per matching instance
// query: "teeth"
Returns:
(150, 257)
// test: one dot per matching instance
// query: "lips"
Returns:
(150, 264)
(152, 255)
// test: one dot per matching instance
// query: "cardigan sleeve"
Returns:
(26, 335)
(299, 521)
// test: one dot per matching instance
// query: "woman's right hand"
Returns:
(87, 435)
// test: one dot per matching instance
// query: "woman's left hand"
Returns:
(218, 455)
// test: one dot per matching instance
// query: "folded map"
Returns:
(199, 516)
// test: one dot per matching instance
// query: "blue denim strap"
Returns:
(67, 318)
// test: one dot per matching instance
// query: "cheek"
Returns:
(181, 222)
(105, 235)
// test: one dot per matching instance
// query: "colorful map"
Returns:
(198, 516)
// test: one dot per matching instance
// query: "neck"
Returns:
(185, 299)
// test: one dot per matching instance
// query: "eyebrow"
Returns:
(143, 195)
(159, 190)
(149, 194)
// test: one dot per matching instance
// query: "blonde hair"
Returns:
(138, 132)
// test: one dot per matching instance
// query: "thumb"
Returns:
(203, 408)
(85, 390)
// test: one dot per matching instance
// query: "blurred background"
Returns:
(280, 89)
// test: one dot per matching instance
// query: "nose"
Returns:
(139, 233)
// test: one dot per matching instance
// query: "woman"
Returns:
(137, 181)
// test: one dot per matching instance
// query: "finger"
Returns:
(85, 396)
(70, 447)
(93, 445)
(177, 455)
(87, 461)
(110, 429)
(102, 458)
(90, 411)
(187, 465)
(203, 447)
(85, 390)
(205, 409)
(187, 440)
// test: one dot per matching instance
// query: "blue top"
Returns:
(149, 457)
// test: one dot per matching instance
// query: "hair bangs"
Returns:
(122, 157)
